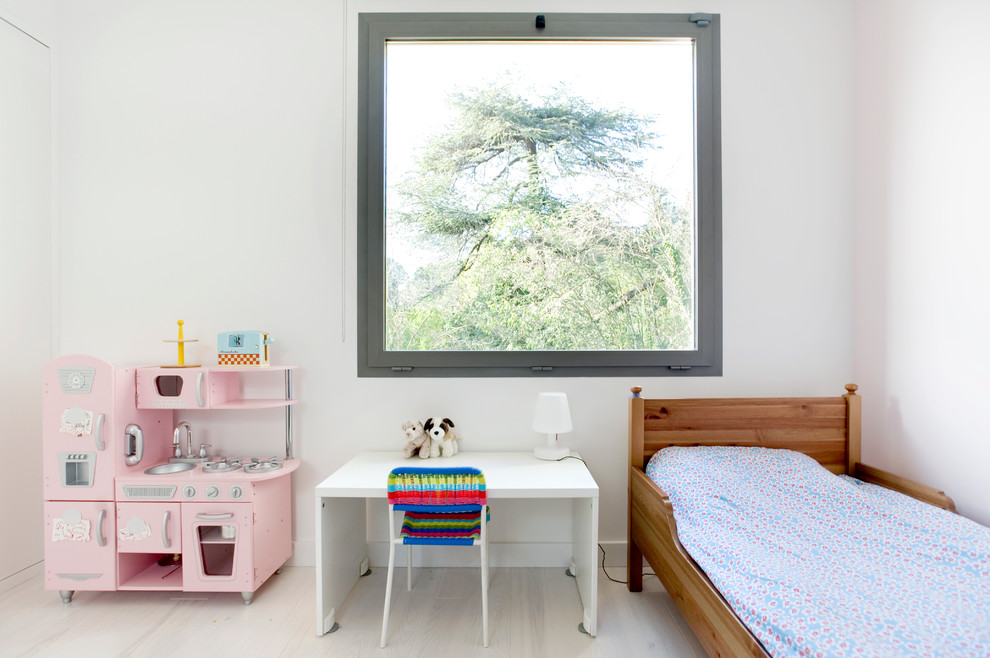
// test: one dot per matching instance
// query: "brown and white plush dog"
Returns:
(443, 438)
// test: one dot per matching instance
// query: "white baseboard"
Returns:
(615, 553)
(303, 554)
(502, 555)
(15, 579)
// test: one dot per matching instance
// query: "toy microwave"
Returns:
(243, 348)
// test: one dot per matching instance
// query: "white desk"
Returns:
(341, 521)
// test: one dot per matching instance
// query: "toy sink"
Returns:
(166, 469)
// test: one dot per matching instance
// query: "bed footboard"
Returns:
(653, 535)
(921, 492)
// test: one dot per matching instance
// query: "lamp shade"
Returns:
(552, 414)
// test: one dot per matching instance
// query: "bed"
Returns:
(825, 429)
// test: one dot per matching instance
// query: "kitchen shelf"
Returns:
(251, 368)
(254, 404)
(155, 577)
(225, 390)
(211, 535)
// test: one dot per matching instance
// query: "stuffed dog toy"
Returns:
(418, 440)
(443, 438)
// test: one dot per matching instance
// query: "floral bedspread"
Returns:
(823, 565)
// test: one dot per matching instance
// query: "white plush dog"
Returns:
(418, 443)
(443, 438)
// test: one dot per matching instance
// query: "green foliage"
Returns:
(527, 207)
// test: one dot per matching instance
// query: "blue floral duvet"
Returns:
(822, 565)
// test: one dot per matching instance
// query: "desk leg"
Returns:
(586, 560)
(341, 547)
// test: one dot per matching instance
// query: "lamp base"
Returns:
(552, 453)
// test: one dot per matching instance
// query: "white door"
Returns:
(25, 284)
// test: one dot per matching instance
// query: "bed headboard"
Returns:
(826, 429)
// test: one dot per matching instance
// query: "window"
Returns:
(539, 200)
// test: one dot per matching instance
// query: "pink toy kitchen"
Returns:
(132, 502)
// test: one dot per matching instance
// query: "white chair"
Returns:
(442, 507)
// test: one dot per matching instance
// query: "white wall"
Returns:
(26, 219)
(36, 17)
(206, 173)
(922, 353)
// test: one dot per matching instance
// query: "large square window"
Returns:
(538, 197)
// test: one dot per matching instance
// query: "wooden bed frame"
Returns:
(826, 429)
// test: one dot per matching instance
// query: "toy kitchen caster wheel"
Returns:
(66, 595)
(248, 597)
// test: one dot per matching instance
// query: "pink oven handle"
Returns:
(199, 389)
(165, 539)
(98, 435)
(101, 539)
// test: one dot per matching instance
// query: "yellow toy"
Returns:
(182, 349)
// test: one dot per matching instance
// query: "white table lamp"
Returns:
(552, 416)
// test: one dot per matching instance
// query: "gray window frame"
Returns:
(374, 29)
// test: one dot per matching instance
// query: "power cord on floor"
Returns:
(600, 547)
(623, 582)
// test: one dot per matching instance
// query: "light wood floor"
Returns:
(534, 612)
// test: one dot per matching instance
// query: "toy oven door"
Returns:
(172, 388)
(217, 547)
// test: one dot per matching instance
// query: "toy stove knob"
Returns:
(236, 492)
(212, 491)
